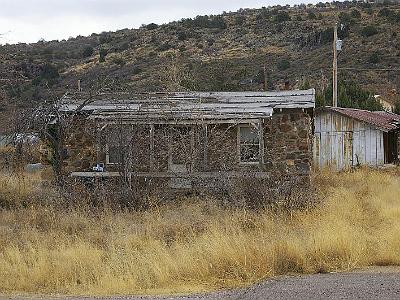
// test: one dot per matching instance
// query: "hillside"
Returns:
(228, 52)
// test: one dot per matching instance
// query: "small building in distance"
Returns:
(388, 103)
(191, 140)
(346, 137)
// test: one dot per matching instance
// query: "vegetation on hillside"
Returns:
(226, 52)
(195, 244)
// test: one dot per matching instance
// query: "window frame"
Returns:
(258, 128)
(108, 156)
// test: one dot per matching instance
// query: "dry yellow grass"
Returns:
(196, 245)
(15, 189)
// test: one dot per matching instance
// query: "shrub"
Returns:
(397, 106)
(205, 22)
(355, 13)
(87, 51)
(369, 30)
(311, 15)
(369, 11)
(136, 70)
(374, 58)
(345, 18)
(49, 73)
(103, 53)
(123, 46)
(118, 61)
(283, 64)
(151, 26)
(164, 47)
(239, 20)
(281, 16)
(182, 36)
(105, 38)
(386, 12)
(327, 35)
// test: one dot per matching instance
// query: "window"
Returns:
(113, 155)
(181, 145)
(249, 144)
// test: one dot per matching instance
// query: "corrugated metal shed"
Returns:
(186, 106)
(346, 137)
(379, 119)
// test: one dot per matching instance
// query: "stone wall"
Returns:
(288, 144)
(287, 137)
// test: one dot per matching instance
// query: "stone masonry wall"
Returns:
(288, 144)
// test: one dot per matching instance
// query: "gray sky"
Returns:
(30, 20)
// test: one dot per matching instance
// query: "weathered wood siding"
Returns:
(341, 142)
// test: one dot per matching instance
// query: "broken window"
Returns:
(113, 154)
(249, 144)
(181, 145)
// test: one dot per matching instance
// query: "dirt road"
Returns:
(375, 283)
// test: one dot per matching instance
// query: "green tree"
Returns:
(350, 95)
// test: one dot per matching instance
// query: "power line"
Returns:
(370, 69)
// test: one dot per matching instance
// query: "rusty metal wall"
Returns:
(341, 142)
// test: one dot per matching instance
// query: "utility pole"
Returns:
(265, 79)
(335, 55)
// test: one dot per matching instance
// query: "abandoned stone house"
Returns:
(191, 140)
(347, 137)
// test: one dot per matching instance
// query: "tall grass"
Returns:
(195, 245)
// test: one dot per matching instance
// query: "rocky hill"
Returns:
(251, 49)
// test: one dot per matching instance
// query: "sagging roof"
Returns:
(381, 120)
(185, 105)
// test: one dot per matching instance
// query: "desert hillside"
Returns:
(250, 49)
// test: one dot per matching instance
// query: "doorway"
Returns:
(390, 146)
(180, 156)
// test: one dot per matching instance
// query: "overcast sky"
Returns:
(30, 20)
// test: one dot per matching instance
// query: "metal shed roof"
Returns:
(381, 120)
(185, 105)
